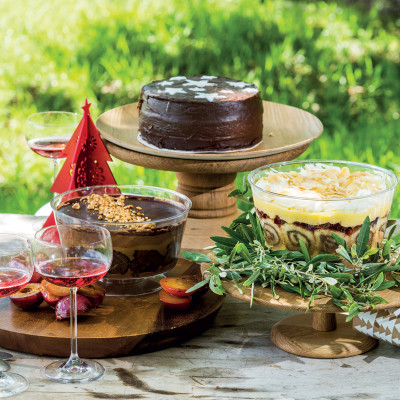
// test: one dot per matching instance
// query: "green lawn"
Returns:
(340, 62)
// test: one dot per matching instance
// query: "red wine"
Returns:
(50, 146)
(73, 272)
(12, 280)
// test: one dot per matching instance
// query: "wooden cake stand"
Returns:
(207, 178)
(321, 332)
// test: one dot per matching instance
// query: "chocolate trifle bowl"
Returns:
(308, 200)
(146, 226)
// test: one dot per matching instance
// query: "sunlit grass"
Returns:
(338, 62)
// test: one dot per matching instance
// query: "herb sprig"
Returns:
(351, 277)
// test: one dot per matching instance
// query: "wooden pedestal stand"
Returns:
(321, 332)
(208, 178)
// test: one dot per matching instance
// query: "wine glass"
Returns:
(73, 256)
(16, 270)
(47, 133)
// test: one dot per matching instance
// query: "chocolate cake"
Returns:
(200, 113)
(142, 246)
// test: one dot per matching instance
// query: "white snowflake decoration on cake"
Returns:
(204, 83)
(172, 91)
(209, 96)
(250, 90)
(239, 85)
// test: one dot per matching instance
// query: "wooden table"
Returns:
(234, 359)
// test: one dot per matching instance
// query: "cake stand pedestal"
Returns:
(207, 178)
(322, 332)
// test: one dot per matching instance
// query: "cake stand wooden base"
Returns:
(320, 335)
(209, 193)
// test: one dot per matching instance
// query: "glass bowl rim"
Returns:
(187, 203)
(387, 172)
(88, 225)
(30, 117)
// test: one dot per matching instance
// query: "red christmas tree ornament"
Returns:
(86, 160)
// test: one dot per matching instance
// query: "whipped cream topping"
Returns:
(321, 181)
(324, 182)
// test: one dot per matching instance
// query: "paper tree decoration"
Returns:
(86, 160)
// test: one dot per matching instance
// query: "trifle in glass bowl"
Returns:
(146, 226)
(308, 200)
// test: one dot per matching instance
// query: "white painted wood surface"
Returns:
(234, 359)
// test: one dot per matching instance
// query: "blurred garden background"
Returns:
(339, 60)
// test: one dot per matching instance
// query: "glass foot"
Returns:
(12, 384)
(74, 372)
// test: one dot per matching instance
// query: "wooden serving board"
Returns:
(120, 326)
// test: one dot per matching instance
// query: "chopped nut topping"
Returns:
(76, 206)
(113, 209)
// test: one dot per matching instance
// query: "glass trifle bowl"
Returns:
(308, 200)
(146, 225)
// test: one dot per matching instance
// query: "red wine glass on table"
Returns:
(47, 133)
(16, 269)
(73, 256)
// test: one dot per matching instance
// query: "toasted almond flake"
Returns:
(323, 181)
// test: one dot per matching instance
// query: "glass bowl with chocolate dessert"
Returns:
(308, 200)
(146, 225)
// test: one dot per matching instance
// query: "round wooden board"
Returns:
(285, 129)
(120, 326)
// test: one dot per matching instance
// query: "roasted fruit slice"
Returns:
(173, 302)
(28, 298)
(95, 293)
(36, 277)
(177, 286)
(63, 306)
(49, 298)
(60, 291)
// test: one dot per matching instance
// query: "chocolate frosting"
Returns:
(200, 113)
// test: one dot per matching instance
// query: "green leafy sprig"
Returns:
(351, 277)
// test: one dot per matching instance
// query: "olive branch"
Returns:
(351, 277)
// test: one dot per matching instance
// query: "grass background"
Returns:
(339, 60)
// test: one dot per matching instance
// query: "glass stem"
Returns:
(56, 163)
(55, 169)
(73, 358)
